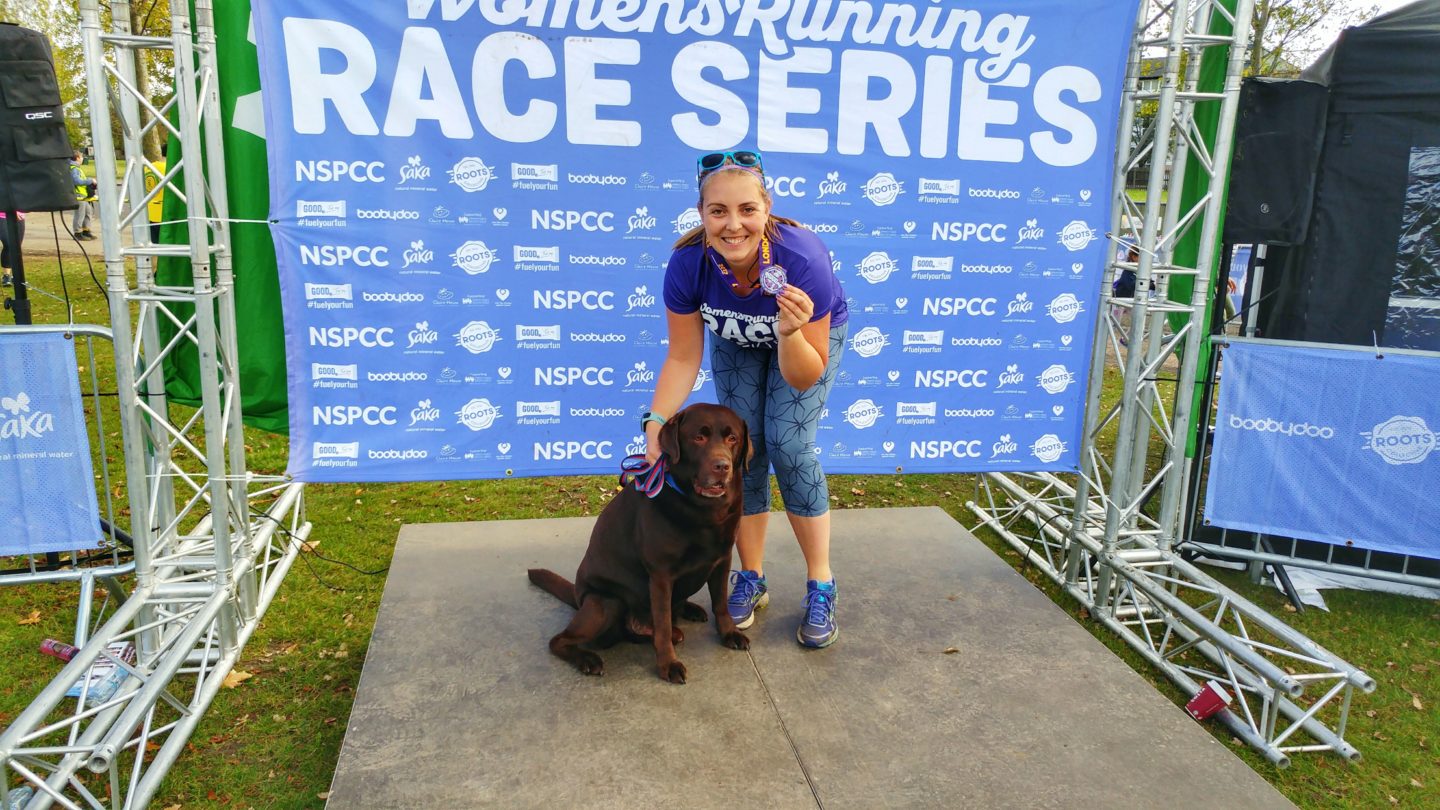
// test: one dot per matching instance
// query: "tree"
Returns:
(1286, 35)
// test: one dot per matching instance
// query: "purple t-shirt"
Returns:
(693, 283)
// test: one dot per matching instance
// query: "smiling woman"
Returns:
(764, 288)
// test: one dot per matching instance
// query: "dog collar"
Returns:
(648, 479)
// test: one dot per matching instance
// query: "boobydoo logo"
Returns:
(1076, 235)
(592, 260)
(877, 267)
(994, 193)
(390, 297)
(869, 341)
(939, 192)
(392, 214)
(20, 421)
(642, 220)
(1055, 379)
(883, 189)
(591, 179)
(535, 176)
(477, 337)
(1064, 308)
(988, 269)
(831, 188)
(414, 175)
(862, 414)
(687, 220)
(478, 414)
(1295, 430)
(1401, 440)
(471, 174)
(474, 257)
(597, 337)
(1048, 448)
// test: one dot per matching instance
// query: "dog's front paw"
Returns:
(692, 612)
(589, 663)
(735, 640)
(677, 636)
(674, 672)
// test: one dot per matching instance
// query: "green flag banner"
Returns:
(260, 332)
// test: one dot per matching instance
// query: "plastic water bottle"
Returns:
(19, 797)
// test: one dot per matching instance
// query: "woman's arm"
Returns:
(677, 375)
(804, 345)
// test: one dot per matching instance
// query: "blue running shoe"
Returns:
(818, 629)
(747, 593)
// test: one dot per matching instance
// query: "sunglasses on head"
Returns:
(743, 158)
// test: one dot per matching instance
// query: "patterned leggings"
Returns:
(782, 423)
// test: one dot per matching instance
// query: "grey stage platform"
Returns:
(460, 704)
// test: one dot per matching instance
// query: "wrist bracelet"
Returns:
(651, 416)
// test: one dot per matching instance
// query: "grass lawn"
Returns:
(272, 742)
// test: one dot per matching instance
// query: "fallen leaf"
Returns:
(1370, 713)
(324, 795)
(174, 807)
(1416, 783)
(235, 678)
(1392, 799)
(1415, 701)
(1289, 608)
(950, 651)
(33, 618)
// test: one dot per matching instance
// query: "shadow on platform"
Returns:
(460, 704)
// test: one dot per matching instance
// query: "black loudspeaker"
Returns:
(1278, 135)
(34, 147)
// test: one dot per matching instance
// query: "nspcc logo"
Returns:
(471, 174)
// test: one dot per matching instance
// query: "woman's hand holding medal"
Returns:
(796, 309)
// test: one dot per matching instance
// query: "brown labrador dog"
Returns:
(647, 555)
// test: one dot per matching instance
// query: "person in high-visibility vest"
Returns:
(85, 193)
(152, 171)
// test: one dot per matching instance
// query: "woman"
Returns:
(764, 288)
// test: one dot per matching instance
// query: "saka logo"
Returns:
(22, 423)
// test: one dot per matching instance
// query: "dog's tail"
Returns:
(555, 585)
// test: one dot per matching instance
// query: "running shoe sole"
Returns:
(750, 619)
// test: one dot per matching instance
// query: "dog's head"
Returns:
(709, 447)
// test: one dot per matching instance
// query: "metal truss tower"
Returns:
(1108, 535)
(212, 541)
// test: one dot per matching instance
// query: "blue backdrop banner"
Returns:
(1328, 444)
(475, 200)
(47, 489)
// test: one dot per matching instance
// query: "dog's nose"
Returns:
(721, 466)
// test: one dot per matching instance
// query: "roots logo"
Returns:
(877, 267)
(688, 220)
(862, 414)
(883, 189)
(1402, 440)
(1056, 379)
(1076, 236)
(477, 337)
(471, 174)
(868, 341)
(474, 257)
(22, 423)
(1048, 448)
(418, 254)
(1064, 308)
(478, 414)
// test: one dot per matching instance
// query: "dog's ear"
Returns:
(747, 451)
(670, 436)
